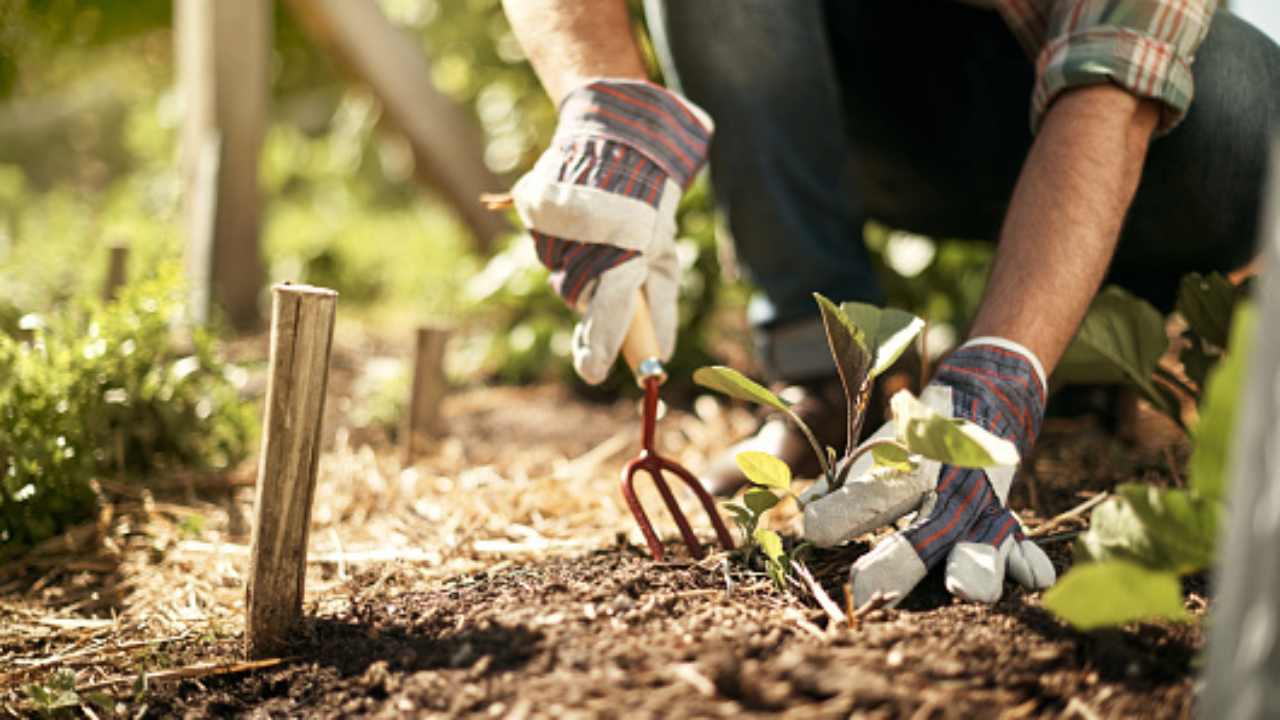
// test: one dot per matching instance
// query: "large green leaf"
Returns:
(1120, 340)
(764, 469)
(1115, 592)
(736, 385)
(950, 440)
(1166, 529)
(1215, 432)
(853, 365)
(888, 331)
(1206, 302)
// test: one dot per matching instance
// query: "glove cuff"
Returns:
(1014, 347)
(664, 127)
(999, 385)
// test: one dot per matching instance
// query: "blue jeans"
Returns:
(828, 114)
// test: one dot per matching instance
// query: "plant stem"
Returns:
(1169, 378)
(868, 447)
(813, 442)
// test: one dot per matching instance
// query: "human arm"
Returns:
(571, 41)
(600, 202)
(1064, 219)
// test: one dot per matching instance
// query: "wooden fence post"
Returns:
(301, 337)
(117, 271)
(1244, 638)
(222, 53)
(427, 389)
(448, 148)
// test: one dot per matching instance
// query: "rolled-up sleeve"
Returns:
(1143, 46)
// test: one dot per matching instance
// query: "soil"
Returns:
(612, 634)
(516, 585)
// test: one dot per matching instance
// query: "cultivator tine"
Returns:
(708, 504)
(637, 510)
(686, 532)
(641, 351)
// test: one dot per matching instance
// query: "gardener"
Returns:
(913, 112)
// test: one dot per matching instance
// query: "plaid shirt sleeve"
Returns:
(1143, 46)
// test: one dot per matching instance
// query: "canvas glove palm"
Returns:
(600, 204)
(960, 512)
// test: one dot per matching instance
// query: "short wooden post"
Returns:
(301, 337)
(427, 389)
(117, 271)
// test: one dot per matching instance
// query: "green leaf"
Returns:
(853, 364)
(950, 440)
(892, 455)
(736, 385)
(761, 468)
(1116, 592)
(1207, 302)
(770, 543)
(888, 332)
(759, 500)
(1120, 341)
(1165, 529)
(740, 513)
(1213, 435)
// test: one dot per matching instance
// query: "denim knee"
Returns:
(1197, 206)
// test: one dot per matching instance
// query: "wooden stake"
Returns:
(117, 271)
(301, 337)
(427, 390)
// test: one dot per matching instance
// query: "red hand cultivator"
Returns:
(640, 348)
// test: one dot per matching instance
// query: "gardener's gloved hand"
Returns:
(600, 204)
(961, 515)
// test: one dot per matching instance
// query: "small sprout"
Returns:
(765, 470)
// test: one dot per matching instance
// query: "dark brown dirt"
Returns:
(612, 634)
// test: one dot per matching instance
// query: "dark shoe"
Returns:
(822, 407)
(821, 404)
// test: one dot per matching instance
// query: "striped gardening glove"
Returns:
(960, 513)
(600, 204)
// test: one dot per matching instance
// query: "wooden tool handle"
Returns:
(641, 342)
(640, 346)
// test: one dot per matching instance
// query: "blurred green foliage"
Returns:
(93, 79)
(103, 391)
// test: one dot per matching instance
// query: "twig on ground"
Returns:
(804, 624)
(879, 599)
(815, 588)
(728, 579)
(1078, 707)
(689, 673)
(1059, 537)
(189, 672)
(1080, 509)
(100, 648)
(342, 561)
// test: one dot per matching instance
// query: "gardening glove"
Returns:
(960, 512)
(600, 204)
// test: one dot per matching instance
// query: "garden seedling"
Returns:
(865, 341)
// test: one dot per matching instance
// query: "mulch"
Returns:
(499, 575)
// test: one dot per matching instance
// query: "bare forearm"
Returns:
(569, 41)
(1065, 217)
